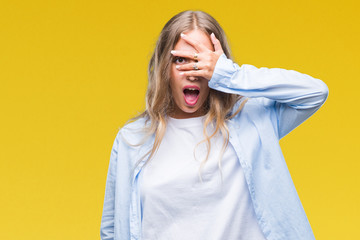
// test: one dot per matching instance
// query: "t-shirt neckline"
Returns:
(186, 122)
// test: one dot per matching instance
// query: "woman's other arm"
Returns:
(107, 220)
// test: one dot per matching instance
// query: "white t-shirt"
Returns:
(176, 205)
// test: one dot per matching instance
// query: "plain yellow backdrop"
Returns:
(72, 73)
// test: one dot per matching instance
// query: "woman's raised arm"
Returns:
(296, 96)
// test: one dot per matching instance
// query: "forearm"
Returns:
(296, 89)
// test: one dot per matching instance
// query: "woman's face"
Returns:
(189, 93)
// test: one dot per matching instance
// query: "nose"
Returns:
(191, 78)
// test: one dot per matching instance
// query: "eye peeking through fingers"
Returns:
(180, 60)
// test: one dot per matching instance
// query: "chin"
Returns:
(189, 109)
(192, 111)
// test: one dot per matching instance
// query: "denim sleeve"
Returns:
(107, 220)
(296, 95)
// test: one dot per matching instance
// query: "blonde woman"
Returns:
(203, 160)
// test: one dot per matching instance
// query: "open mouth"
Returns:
(191, 94)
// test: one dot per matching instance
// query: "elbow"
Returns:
(323, 92)
(318, 94)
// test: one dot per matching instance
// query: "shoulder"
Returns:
(133, 133)
(131, 127)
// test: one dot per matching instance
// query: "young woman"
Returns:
(203, 161)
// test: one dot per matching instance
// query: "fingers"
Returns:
(190, 66)
(216, 42)
(185, 54)
(194, 70)
(198, 46)
(197, 64)
(195, 73)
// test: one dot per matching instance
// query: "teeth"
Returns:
(192, 89)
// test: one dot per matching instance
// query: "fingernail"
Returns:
(181, 73)
(177, 66)
(182, 35)
(212, 34)
(172, 51)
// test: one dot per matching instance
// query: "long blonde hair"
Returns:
(159, 101)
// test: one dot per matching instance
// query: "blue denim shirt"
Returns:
(278, 101)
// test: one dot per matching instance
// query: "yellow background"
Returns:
(72, 72)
